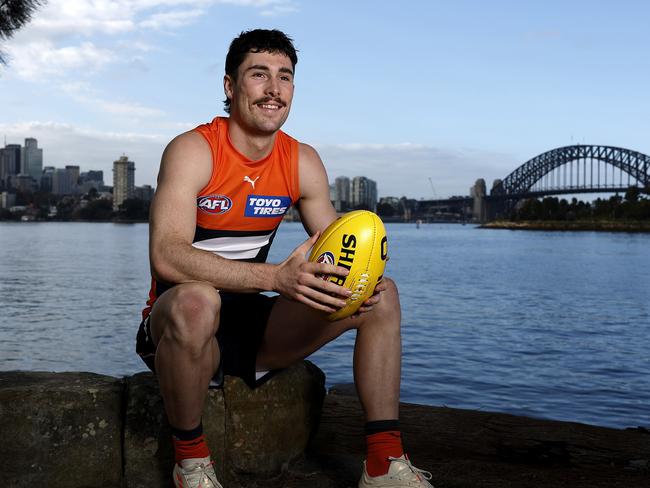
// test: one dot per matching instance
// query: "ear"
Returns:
(228, 86)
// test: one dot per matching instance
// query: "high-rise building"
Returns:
(32, 159)
(92, 175)
(46, 178)
(63, 182)
(123, 181)
(364, 193)
(342, 201)
(9, 165)
(74, 172)
(91, 179)
(24, 183)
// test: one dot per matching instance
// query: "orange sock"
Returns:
(186, 449)
(380, 447)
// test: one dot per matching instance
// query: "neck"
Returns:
(254, 146)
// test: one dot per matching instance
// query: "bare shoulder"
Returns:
(312, 171)
(307, 155)
(315, 208)
(187, 157)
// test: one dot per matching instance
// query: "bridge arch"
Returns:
(522, 179)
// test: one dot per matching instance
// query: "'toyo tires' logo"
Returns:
(266, 206)
(327, 258)
(214, 204)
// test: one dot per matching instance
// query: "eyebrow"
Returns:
(266, 68)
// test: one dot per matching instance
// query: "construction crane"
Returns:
(433, 191)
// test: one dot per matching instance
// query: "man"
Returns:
(210, 231)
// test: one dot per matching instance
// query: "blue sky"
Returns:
(397, 91)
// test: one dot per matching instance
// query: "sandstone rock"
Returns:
(148, 452)
(270, 426)
(60, 429)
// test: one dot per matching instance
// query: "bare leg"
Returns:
(294, 331)
(377, 359)
(184, 321)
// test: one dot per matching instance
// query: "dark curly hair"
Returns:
(257, 41)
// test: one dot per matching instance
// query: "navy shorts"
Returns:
(242, 323)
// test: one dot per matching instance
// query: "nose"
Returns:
(273, 87)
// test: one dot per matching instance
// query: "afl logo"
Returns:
(327, 258)
(214, 204)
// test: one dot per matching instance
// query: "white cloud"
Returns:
(83, 93)
(63, 34)
(170, 20)
(42, 59)
(89, 17)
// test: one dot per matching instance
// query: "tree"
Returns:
(385, 209)
(134, 209)
(13, 15)
(632, 194)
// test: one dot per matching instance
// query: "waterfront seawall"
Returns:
(85, 430)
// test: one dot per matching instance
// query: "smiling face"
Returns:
(260, 96)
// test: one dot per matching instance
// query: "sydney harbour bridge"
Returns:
(564, 170)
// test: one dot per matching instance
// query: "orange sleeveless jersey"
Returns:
(240, 209)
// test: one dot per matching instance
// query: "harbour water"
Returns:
(546, 324)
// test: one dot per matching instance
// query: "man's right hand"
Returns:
(298, 279)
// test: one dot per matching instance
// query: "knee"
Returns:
(194, 314)
(387, 313)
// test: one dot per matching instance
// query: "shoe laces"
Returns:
(425, 474)
(199, 473)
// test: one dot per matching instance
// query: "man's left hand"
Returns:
(372, 301)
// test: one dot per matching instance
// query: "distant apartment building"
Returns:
(32, 159)
(342, 191)
(363, 193)
(123, 181)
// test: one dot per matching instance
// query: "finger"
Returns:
(325, 286)
(308, 244)
(381, 286)
(373, 300)
(326, 269)
(322, 298)
(314, 304)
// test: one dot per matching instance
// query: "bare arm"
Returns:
(186, 168)
(316, 211)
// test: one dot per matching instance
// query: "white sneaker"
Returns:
(401, 473)
(198, 475)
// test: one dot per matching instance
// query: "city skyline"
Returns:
(402, 93)
(360, 190)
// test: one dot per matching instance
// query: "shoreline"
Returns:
(578, 225)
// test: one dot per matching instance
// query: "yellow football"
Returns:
(356, 241)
